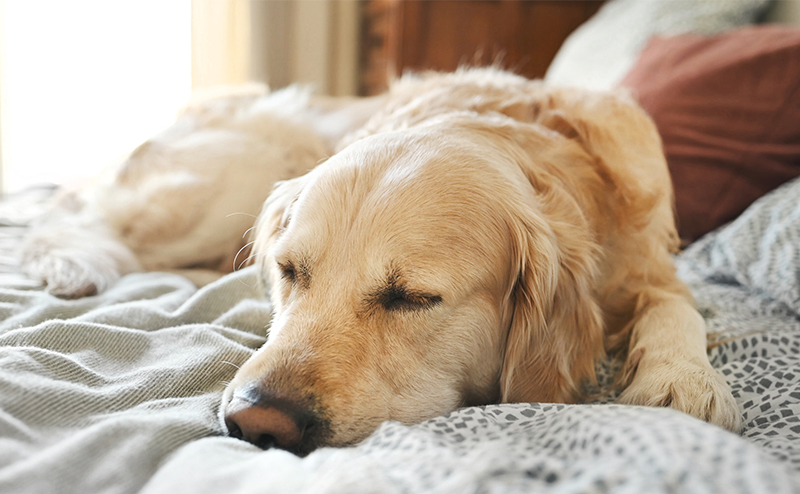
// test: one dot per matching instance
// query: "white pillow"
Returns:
(599, 53)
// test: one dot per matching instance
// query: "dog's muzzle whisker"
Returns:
(245, 246)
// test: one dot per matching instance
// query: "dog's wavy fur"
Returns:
(480, 238)
(540, 221)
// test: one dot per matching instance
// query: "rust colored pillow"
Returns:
(728, 110)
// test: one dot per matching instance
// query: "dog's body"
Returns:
(183, 200)
(480, 238)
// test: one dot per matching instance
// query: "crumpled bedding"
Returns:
(118, 393)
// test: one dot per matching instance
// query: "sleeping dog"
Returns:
(476, 237)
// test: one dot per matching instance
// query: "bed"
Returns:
(118, 392)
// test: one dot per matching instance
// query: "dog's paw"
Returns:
(75, 260)
(693, 388)
(74, 272)
(68, 278)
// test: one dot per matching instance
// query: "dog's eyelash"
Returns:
(401, 300)
(287, 272)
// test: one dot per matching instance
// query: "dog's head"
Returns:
(414, 272)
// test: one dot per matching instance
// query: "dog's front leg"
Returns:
(667, 363)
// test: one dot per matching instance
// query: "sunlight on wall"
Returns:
(85, 81)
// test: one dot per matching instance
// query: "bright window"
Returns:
(85, 81)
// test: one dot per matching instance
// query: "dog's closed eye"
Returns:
(399, 298)
(287, 271)
(298, 273)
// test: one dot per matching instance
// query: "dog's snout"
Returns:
(267, 423)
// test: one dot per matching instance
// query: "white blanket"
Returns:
(118, 393)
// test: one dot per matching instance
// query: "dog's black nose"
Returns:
(267, 423)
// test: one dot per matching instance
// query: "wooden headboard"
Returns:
(520, 35)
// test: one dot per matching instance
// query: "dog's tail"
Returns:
(73, 252)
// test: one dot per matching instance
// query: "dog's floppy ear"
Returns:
(555, 336)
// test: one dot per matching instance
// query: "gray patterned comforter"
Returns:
(117, 393)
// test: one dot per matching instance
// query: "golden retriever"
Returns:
(476, 238)
(483, 238)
